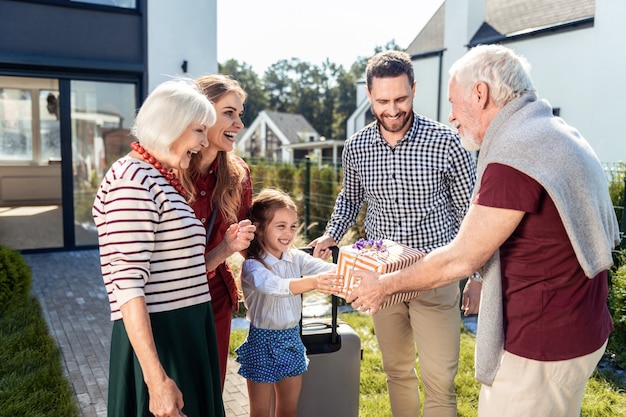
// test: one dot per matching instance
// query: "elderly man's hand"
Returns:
(471, 297)
(369, 295)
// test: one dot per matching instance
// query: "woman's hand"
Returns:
(236, 239)
(166, 400)
(239, 235)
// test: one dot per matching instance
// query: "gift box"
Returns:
(375, 255)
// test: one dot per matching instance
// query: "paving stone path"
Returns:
(74, 303)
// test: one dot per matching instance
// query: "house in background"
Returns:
(575, 48)
(72, 74)
(287, 138)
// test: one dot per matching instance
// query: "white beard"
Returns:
(470, 143)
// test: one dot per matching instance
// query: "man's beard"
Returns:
(470, 142)
(403, 124)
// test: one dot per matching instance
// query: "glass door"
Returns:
(102, 114)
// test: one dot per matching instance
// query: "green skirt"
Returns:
(186, 343)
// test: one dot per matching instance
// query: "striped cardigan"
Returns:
(151, 244)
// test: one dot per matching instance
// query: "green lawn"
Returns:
(31, 377)
(32, 382)
(604, 396)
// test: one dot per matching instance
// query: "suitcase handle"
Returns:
(333, 298)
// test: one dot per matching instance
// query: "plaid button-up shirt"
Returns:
(416, 192)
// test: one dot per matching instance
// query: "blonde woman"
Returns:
(222, 190)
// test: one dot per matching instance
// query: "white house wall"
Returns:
(570, 71)
(356, 121)
(580, 71)
(427, 88)
(560, 66)
(168, 48)
(608, 84)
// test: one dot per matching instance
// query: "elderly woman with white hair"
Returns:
(164, 359)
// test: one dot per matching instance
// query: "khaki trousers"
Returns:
(432, 323)
(525, 387)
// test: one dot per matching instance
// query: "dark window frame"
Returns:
(89, 6)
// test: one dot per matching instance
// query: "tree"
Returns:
(325, 95)
(280, 79)
(251, 83)
(300, 87)
(390, 46)
(345, 96)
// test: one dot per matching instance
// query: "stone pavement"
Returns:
(75, 305)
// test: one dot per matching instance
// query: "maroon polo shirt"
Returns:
(552, 311)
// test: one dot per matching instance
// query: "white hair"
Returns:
(168, 110)
(506, 74)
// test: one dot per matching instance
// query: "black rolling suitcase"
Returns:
(330, 386)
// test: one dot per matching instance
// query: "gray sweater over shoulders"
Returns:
(526, 136)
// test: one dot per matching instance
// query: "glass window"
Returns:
(127, 4)
(31, 185)
(29, 122)
(16, 134)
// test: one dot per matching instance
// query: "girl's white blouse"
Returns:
(266, 292)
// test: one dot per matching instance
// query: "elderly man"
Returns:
(540, 229)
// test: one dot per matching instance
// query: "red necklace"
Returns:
(169, 175)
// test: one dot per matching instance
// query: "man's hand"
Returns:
(322, 246)
(471, 297)
(369, 295)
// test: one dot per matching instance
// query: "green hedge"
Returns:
(617, 305)
(324, 185)
(15, 279)
(616, 190)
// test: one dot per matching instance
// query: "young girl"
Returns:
(273, 276)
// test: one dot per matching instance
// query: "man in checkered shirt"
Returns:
(417, 180)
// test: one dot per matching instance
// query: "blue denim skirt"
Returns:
(272, 355)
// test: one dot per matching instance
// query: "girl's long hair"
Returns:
(262, 211)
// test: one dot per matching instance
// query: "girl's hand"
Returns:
(328, 283)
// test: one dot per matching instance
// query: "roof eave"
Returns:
(548, 30)
(428, 54)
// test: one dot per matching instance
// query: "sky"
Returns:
(260, 33)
